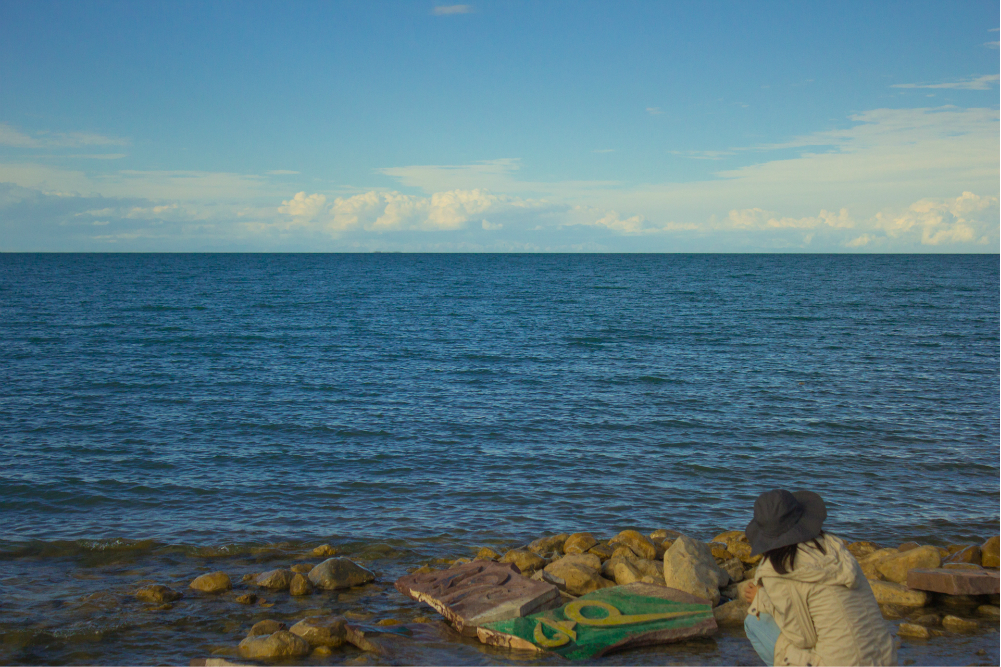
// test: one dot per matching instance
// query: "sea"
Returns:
(162, 415)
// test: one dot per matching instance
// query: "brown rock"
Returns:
(249, 577)
(719, 551)
(266, 627)
(322, 630)
(246, 598)
(302, 568)
(639, 543)
(480, 592)
(486, 553)
(733, 567)
(954, 582)
(968, 554)
(459, 561)
(623, 551)
(299, 585)
(581, 572)
(387, 622)
(324, 551)
(737, 544)
(869, 563)
(989, 552)
(962, 566)
(961, 625)
(912, 630)
(277, 580)
(930, 620)
(602, 551)
(337, 573)
(216, 582)
(888, 592)
(623, 572)
(658, 536)
(862, 548)
(578, 543)
(988, 610)
(321, 652)
(895, 568)
(731, 613)
(526, 561)
(278, 645)
(907, 546)
(158, 594)
(547, 544)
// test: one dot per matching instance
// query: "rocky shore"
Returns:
(578, 564)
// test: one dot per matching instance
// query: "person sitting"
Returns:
(810, 603)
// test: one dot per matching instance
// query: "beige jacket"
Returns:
(825, 609)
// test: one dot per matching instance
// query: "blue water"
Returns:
(208, 399)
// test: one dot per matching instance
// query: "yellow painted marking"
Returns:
(564, 633)
(615, 617)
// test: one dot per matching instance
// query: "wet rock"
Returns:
(690, 567)
(547, 544)
(321, 652)
(525, 560)
(328, 631)
(989, 552)
(249, 577)
(299, 585)
(266, 627)
(862, 548)
(246, 598)
(276, 580)
(277, 645)
(388, 622)
(580, 572)
(888, 592)
(964, 602)
(641, 545)
(914, 631)
(157, 593)
(895, 568)
(968, 554)
(302, 568)
(893, 612)
(336, 573)
(930, 620)
(907, 546)
(737, 544)
(216, 582)
(324, 551)
(578, 543)
(663, 534)
(602, 551)
(359, 615)
(731, 613)
(486, 553)
(734, 568)
(960, 625)
(423, 569)
(988, 610)
(458, 562)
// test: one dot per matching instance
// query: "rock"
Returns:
(547, 544)
(862, 548)
(954, 582)
(336, 573)
(664, 534)
(526, 561)
(216, 582)
(962, 566)
(578, 543)
(602, 551)
(639, 543)
(299, 585)
(322, 630)
(623, 551)
(387, 622)
(913, 631)
(486, 553)
(246, 598)
(869, 563)
(964, 602)
(930, 620)
(276, 580)
(459, 561)
(157, 593)
(266, 627)
(989, 552)
(359, 615)
(719, 551)
(321, 652)
(888, 592)
(690, 567)
(547, 578)
(731, 613)
(324, 551)
(623, 572)
(957, 624)
(907, 546)
(737, 544)
(734, 568)
(893, 612)
(988, 610)
(249, 577)
(895, 568)
(302, 568)
(480, 592)
(968, 554)
(277, 645)
(580, 572)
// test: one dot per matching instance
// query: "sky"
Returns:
(540, 126)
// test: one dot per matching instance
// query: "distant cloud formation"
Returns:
(977, 83)
(654, 111)
(447, 10)
(10, 136)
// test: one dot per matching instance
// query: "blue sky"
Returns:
(499, 126)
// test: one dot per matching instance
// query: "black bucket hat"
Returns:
(782, 518)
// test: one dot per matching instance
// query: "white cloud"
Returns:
(281, 172)
(448, 10)
(301, 206)
(977, 83)
(964, 219)
(756, 218)
(654, 111)
(10, 136)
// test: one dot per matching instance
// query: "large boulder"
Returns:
(322, 630)
(870, 562)
(525, 560)
(276, 580)
(545, 545)
(895, 567)
(989, 552)
(578, 543)
(734, 568)
(335, 573)
(602, 551)
(641, 545)
(276, 646)
(888, 592)
(158, 593)
(622, 571)
(968, 554)
(689, 566)
(216, 582)
(580, 572)
(299, 585)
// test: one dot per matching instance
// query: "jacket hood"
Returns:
(836, 567)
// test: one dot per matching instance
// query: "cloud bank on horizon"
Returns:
(778, 162)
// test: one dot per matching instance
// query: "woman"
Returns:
(810, 602)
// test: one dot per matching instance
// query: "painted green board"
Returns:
(609, 619)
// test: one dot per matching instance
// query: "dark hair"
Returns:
(783, 559)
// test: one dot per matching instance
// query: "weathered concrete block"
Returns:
(954, 582)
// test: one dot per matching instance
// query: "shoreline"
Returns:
(75, 606)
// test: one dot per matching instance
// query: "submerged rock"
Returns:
(299, 585)
(278, 645)
(337, 573)
(266, 627)
(302, 568)
(322, 630)
(216, 582)
(690, 567)
(277, 580)
(324, 551)
(246, 598)
(157, 593)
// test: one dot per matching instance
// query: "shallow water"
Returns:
(213, 404)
